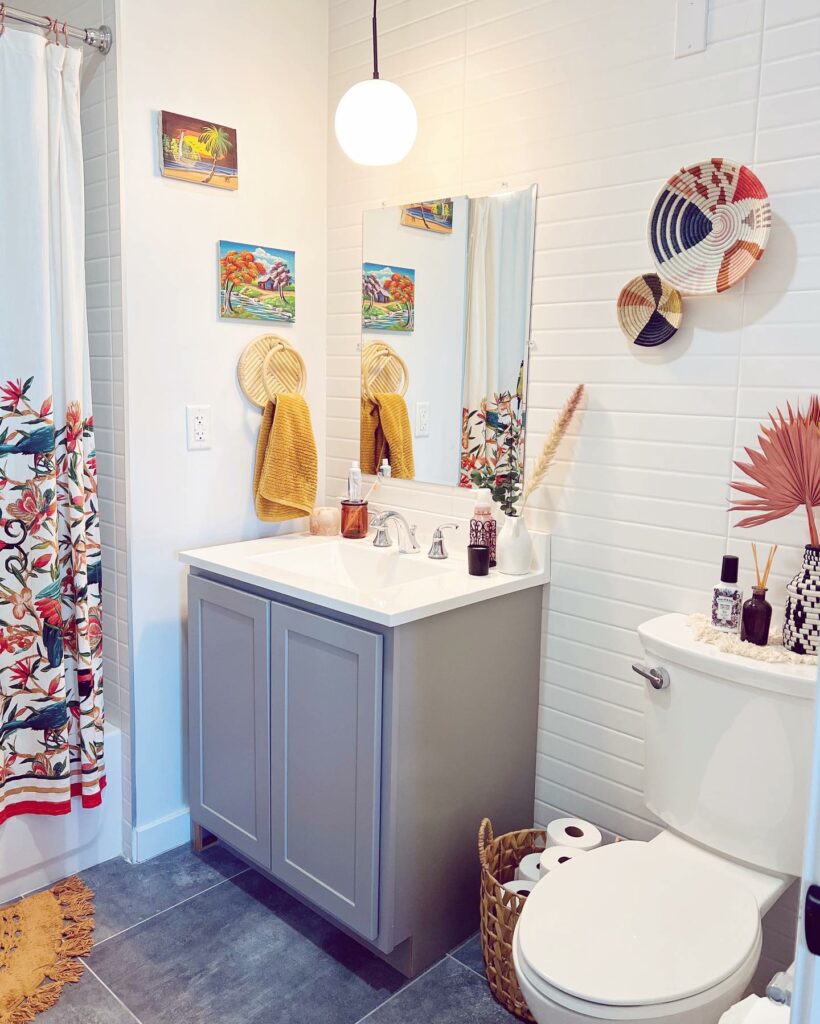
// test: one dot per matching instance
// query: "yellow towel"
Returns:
(392, 438)
(284, 477)
(369, 437)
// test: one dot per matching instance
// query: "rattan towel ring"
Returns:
(383, 370)
(271, 366)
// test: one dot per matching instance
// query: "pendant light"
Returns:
(376, 121)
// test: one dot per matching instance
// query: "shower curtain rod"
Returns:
(100, 38)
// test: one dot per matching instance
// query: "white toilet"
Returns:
(670, 930)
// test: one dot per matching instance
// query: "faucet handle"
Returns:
(437, 548)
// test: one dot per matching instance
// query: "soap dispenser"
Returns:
(483, 527)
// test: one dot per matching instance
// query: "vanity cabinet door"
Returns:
(326, 702)
(229, 715)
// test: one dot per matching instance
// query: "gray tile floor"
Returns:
(190, 939)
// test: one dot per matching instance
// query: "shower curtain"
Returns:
(51, 701)
(499, 275)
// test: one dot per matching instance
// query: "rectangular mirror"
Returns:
(446, 296)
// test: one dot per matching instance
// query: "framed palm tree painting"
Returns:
(198, 151)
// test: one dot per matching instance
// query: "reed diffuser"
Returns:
(756, 617)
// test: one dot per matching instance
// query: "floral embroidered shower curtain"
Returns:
(51, 701)
(499, 275)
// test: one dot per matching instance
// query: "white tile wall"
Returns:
(586, 100)
(103, 291)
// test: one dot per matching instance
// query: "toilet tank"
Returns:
(728, 747)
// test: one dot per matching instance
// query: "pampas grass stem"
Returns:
(554, 438)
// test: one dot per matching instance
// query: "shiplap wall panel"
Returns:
(586, 100)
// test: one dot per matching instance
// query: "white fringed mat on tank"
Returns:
(730, 643)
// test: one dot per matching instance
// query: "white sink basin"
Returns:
(354, 564)
(352, 577)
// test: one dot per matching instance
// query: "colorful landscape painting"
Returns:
(430, 215)
(256, 282)
(388, 298)
(198, 151)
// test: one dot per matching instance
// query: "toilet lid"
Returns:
(627, 926)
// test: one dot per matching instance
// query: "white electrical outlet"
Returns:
(198, 424)
(422, 419)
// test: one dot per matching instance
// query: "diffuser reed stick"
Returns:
(554, 438)
(762, 581)
(769, 564)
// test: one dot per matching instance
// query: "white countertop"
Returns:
(362, 580)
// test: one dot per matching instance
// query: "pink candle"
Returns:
(325, 522)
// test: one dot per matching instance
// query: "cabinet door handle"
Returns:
(657, 677)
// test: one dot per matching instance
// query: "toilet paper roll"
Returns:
(556, 856)
(573, 832)
(529, 870)
(754, 1010)
(522, 888)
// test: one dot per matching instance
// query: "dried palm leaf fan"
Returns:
(383, 371)
(271, 366)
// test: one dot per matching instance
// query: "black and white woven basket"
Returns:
(801, 629)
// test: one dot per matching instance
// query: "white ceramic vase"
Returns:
(514, 547)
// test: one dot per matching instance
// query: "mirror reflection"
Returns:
(446, 294)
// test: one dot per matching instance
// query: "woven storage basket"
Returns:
(500, 909)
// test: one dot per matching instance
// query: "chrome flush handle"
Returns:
(657, 677)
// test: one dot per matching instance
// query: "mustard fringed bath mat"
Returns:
(42, 938)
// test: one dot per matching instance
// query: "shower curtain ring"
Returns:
(65, 33)
(2, 18)
(50, 30)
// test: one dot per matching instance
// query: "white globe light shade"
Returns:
(376, 123)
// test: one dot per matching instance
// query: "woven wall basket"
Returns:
(649, 310)
(708, 226)
(501, 908)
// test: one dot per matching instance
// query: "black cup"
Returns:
(478, 559)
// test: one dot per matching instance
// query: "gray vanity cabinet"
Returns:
(286, 744)
(352, 762)
(229, 715)
(326, 702)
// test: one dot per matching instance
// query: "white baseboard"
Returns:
(161, 835)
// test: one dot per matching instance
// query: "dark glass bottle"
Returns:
(756, 618)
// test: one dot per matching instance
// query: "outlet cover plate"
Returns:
(422, 419)
(198, 427)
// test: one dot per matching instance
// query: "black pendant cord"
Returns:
(375, 41)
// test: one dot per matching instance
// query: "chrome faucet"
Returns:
(408, 545)
(437, 548)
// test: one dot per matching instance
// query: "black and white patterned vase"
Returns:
(801, 630)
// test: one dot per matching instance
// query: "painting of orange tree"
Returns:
(198, 151)
(256, 282)
(388, 298)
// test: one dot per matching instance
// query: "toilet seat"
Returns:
(547, 1003)
(632, 926)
